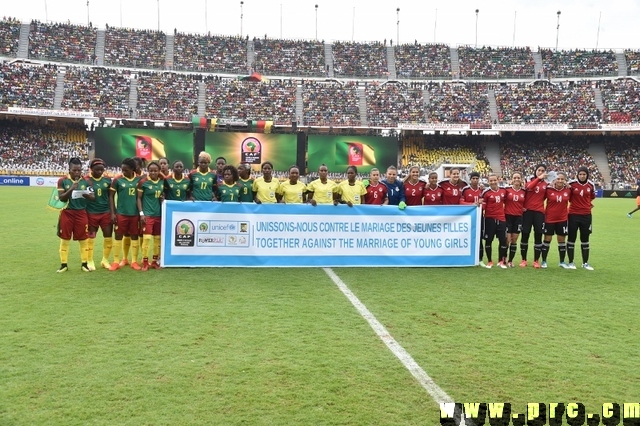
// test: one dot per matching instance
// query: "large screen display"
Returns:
(253, 148)
(340, 152)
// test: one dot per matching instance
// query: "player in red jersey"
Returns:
(432, 192)
(376, 191)
(583, 192)
(472, 194)
(555, 217)
(514, 207)
(413, 187)
(533, 215)
(493, 200)
(452, 188)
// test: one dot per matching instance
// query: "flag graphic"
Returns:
(54, 200)
(261, 126)
(144, 147)
(355, 154)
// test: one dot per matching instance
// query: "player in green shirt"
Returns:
(176, 186)
(246, 183)
(125, 216)
(73, 221)
(150, 196)
(203, 180)
(99, 212)
(229, 190)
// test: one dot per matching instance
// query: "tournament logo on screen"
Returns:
(355, 154)
(184, 233)
(251, 151)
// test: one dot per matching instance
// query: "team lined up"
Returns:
(130, 204)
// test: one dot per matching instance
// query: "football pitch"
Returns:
(256, 346)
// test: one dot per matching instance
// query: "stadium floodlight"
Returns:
(477, 10)
(316, 22)
(241, 16)
(558, 30)
(398, 27)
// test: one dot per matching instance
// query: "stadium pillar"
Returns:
(301, 157)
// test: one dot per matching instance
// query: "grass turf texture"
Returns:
(283, 346)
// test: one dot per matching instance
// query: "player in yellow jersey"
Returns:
(293, 191)
(351, 191)
(322, 190)
(266, 187)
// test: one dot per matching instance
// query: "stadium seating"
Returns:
(458, 103)
(101, 90)
(623, 153)
(496, 62)
(359, 59)
(393, 103)
(330, 104)
(27, 86)
(621, 100)
(423, 61)
(9, 37)
(289, 57)
(126, 47)
(223, 54)
(578, 63)
(62, 42)
(167, 96)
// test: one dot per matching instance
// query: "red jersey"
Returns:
(376, 194)
(514, 205)
(470, 195)
(535, 195)
(557, 204)
(450, 192)
(582, 194)
(413, 193)
(494, 203)
(432, 196)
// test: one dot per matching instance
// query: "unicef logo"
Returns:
(232, 227)
(40, 181)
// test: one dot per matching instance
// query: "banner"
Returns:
(201, 234)
(253, 148)
(44, 181)
(14, 181)
(115, 144)
(41, 112)
(364, 152)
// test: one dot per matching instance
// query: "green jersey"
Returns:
(126, 191)
(151, 196)
(202, 185)
(65, 183)
(246, 191)
(101, 191)
(228, 193)
(176, 189)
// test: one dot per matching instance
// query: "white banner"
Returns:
(45, 181)
(41, 112)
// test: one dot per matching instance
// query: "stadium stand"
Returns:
(623, 153)
(167, 96)
(621, 100)
(127, 47)
(62, 42)
(633, 61)
(496, 62)
(330, 103)
(458, 103)
(289, 57)
(27, 86)
(423, 61)
(9, 36)
(359, 59)
(224, 54)
(578, 63)
(101, 90)
(392, 103)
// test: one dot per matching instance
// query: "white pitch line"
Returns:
(405, 358)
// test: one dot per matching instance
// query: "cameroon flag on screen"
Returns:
(145, 147)
(355, 154)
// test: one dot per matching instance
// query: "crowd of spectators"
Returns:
(458, 103)
(633, 61)
(496, 62)
(289, 57)
(27, 86)
(248, 100)
(167, 95)
(621, 100)
(623, 153)
(9, 36)
(543, 102)
(359, 59)
(330, 103)
(429, 152)
(34, 149)
(392, 103)
(128, 47)
(200, 53)
(560, 153)
(101, 90)
(62, 42)
(423, 61)
(578, 63)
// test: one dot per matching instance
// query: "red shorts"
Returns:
(73, 222)
(99, 220)
(152, 226)
(127, 225)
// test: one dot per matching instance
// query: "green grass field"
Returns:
(284, 346)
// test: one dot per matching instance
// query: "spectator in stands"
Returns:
(423, 61)
(193, 52)
(288, 57)
(62, 42)
(330, 104)
(359, 59)
(103, 91)
(390, 104)
(492, 62)
(9, 36)
(127, 47)
(27, 85)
